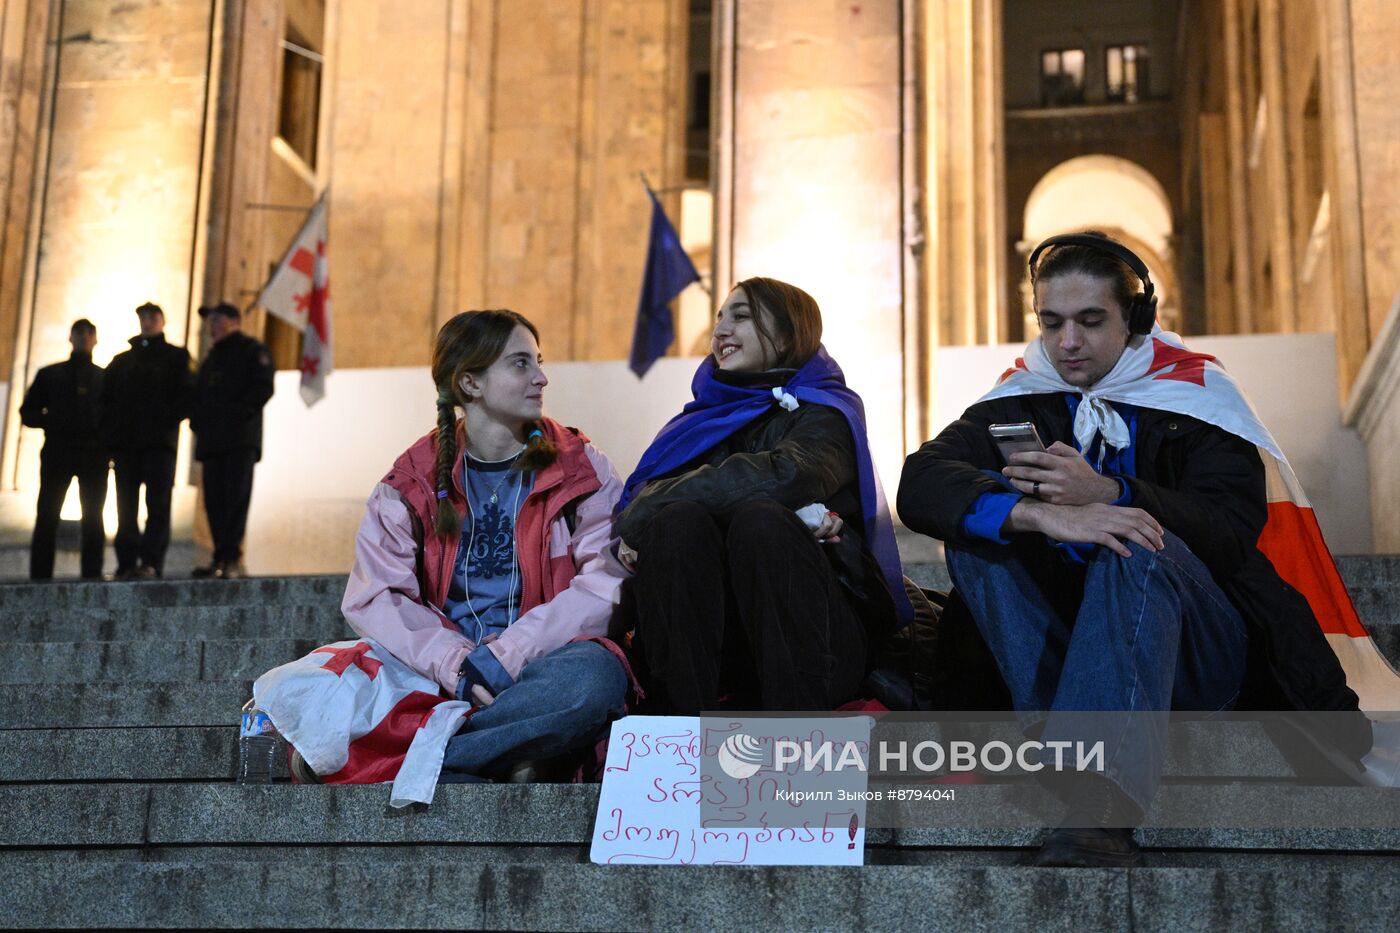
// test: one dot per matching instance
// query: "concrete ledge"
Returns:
(105, 815)
(209, 753)
(98, 705)
(197, 753)
(69, 594)
(589, 897)
(147, 661)
(322, 621)
(160, 660)
(576, 897)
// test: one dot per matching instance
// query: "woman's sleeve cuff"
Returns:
(482, 668)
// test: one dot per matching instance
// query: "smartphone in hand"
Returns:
(1015, 438)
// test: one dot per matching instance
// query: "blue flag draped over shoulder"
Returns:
(668, 271)
(719, 409)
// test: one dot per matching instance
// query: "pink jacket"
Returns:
(569, 580)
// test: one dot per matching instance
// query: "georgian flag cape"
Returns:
(358, 715)
(1160, 372)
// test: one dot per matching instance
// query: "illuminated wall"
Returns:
(816, 177)
(487, 154)
(116, 226)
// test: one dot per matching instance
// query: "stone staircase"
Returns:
(117, 808)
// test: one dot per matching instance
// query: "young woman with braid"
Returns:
(485, 560)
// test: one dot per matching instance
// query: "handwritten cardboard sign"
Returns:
(671, 796)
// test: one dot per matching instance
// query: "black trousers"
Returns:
(228, 488)
(57, 467)
(749, 610)
(153, 468)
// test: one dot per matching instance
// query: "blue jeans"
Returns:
(562, 701)
(1148, 634)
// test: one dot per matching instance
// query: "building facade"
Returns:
(897, 158)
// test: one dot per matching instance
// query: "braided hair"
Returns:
(469, 343)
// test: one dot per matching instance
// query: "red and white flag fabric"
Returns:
(1161, 372)
(358, 715)
(299, 292)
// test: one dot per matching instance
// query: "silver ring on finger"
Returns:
(1035, 489)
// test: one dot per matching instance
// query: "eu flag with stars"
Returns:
(668, 271)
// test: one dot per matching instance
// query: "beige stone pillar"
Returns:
(965, 198)
(1375, 74)
(23, 28)
(1239, 117)
(816, 186)
(1343, 173)
(244, 113)
(1359, 62)
(521, 186)
(1275, 155)
(26, 92)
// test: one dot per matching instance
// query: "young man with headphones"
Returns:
(1116, 570)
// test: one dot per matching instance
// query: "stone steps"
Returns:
(146, 752)
(106, 705)
(161, 660)
(84, 815)
(449, 894)
(266, 591)
(176, 623)
(149, 661)
(117, 745)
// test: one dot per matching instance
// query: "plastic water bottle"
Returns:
(257, 745)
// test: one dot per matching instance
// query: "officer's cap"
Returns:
(224, 308)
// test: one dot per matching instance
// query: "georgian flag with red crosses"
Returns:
(358, 715)
(299, 292)
(1160, 372)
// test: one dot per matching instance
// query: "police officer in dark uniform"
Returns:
(233, 385)
(64, 401)
(146, 395)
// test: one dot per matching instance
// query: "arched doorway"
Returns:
(1114, 195)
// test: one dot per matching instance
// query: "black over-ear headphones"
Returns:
(1142, 310)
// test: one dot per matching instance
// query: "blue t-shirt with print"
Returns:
(484, 597)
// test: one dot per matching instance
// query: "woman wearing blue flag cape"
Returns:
(764, 555)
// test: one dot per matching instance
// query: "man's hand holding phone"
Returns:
(1060, 475)
(1069, 500)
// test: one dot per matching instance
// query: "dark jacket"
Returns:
(233, 385)
(794, 458)
(65, 401)
(146, 395)
(1200, 482)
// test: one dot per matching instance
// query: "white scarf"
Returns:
(1156, 371)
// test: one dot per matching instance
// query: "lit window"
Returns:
(1061, 77)
(1125, 68)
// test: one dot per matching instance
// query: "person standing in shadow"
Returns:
(146, 396)
(63, 401)
(233, 385)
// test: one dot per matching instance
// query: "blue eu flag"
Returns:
(668, 271)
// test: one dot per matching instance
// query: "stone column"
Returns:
(816, 183)
(1361, 71)
(965, 172)
(1275, 156)
(1238, 112)
(27, 62)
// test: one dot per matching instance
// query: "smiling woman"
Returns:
(755, 522)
